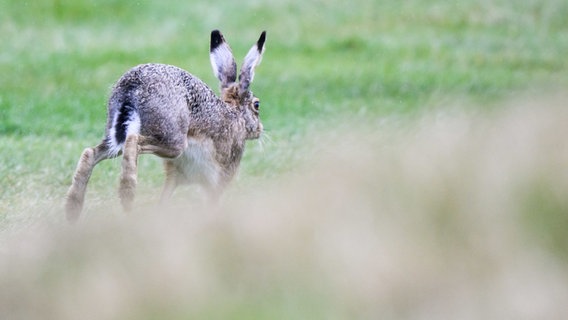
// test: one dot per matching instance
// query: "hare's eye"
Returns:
(256, 105)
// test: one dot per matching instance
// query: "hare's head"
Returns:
(233, 92)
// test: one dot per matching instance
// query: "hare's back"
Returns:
(149, 83)
(157, 93)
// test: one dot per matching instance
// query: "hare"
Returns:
(166, 111)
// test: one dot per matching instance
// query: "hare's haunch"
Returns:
(166, 111)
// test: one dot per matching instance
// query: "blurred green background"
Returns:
(328, 64)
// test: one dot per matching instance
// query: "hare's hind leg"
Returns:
(169, 151)
(133, 146)
(128, 177)
(76, 193)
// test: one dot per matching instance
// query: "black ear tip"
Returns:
(216, 39)
(261, 40)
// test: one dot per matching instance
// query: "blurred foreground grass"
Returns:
(450, 215)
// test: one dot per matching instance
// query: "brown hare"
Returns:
(164, 110)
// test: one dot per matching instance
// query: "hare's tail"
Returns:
(125, 121)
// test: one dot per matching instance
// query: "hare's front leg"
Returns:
(170, 182)
(128, 177)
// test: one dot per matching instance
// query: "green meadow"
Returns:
(335, 75)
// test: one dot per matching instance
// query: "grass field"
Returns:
(415, 164)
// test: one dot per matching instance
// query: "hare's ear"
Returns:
(222, 61)
(252, 59)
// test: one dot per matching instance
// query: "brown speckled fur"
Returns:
(166, 111)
